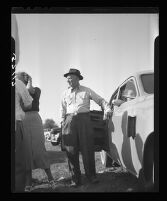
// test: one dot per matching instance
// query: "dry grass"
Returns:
(109, 181)
(59, 166)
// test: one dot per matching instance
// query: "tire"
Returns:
(149, 169)
(54, 143)
(146, 176)
(57, 142)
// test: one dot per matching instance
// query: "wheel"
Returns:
(149, 169)
(146, 175)
(57, 142)
(54, 143)
(105, 159)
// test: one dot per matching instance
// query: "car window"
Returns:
(148, 83)
(128, 91)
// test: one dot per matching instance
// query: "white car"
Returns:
(128, 136)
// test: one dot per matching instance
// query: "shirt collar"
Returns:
(77, 88)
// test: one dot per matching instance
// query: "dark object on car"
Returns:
(55, 136)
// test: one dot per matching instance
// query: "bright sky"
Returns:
(106, 48)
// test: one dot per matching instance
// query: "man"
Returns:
(21, 97)
(77, 131)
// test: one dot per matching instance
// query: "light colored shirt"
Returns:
(21, 94)
(78, 101)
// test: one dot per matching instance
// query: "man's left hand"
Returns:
(107, 114)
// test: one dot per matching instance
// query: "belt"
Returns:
(77, 113)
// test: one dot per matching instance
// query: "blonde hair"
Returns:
(21, 74)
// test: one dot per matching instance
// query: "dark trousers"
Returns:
(77, 135)
(19, 158)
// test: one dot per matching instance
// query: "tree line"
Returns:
(49, 124)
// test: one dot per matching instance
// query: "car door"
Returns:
(124, 124)
(99, 130)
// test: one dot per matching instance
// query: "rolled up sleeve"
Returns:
(63, 108)
(99, 100)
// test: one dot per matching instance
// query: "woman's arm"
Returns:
(30, 88)
(37, 91)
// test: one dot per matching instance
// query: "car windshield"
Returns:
(148, 82)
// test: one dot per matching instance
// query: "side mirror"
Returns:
(127, 97)
(117, 102)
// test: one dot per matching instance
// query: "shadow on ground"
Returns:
(56, 157)
(111, 181)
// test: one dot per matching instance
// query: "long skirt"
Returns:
(36, 154)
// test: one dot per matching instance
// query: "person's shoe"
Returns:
(93, 180)
(75, 184)
(28, 189)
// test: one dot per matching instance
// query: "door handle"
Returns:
(131, 128)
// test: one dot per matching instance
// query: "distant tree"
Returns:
(49, 124)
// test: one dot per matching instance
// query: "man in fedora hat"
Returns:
(77, 132)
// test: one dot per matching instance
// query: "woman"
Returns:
(36, 154)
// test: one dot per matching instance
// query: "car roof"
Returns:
(143, 72)
(137, 74)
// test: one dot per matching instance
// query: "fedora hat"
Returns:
(74, 72)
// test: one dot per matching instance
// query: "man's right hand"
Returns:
(62, 123)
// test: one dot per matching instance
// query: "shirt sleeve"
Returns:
(99, 100)
(63, 108)
(26, 98)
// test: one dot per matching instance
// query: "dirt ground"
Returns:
(110, 180)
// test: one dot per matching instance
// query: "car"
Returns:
(55, 136)
(127, 138)
(47, 136)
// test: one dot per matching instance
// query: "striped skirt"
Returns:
(36, 154)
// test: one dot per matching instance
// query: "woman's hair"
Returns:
(21, 76)
(21, 73)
